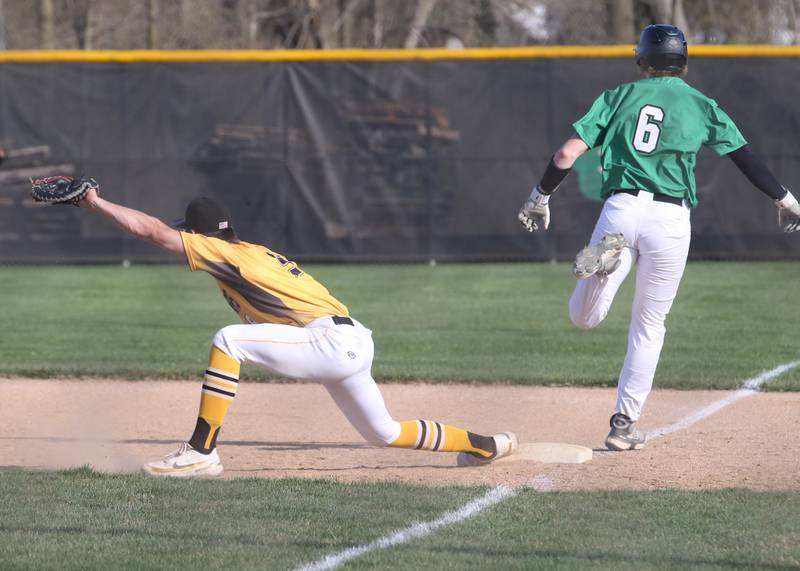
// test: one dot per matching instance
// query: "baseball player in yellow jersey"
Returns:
(292, 326)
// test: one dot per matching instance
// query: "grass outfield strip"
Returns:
(460, 322)
(577, 531)
(84, 520)
(418, 530)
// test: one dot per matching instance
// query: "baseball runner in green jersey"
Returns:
(649, 133)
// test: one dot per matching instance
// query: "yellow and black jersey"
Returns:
(260, 285)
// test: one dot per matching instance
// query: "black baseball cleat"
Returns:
(505, 444)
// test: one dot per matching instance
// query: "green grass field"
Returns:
(485, 323)
(463, 322)
(80, 520)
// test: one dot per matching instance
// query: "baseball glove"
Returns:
(62, 189)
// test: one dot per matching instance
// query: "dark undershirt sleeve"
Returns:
(553, 176)
(757, 172)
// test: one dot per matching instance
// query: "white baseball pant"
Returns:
(658, 235)
(339, 356)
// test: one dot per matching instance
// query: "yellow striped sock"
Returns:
(432, 435)
(219, 389)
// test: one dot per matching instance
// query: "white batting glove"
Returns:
(788, 213)
(535, 213)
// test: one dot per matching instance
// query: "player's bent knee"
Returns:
(585, 320)
(225, 341)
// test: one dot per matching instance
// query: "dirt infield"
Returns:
(294, 430)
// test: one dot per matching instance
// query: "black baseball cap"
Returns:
(206, 216)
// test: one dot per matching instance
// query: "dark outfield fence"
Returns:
(362, 160)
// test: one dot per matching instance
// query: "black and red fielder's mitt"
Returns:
(62, 189)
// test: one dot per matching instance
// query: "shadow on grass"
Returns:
(642, 561)
(242, 539)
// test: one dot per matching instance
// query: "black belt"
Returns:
(342, 320)
(657, 197)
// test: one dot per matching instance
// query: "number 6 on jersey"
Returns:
(648, 129)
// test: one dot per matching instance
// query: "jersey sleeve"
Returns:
(200, 250)
(723, 134)
(190, 249)
(591, 128)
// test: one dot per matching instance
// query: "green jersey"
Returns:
(649, 133)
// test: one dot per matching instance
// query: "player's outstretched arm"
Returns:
(135, 223)
(535, 212)
(762, 178)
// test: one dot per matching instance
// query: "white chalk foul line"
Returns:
(415, 531)
(542, 483)
(749, 388)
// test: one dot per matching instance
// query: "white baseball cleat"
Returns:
(185, 462)
(506, 443)
(600, 259)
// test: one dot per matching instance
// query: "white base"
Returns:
(549, 453)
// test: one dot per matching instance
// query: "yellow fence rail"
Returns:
(549, 52)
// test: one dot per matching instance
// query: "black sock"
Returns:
(200, 435)
(485, 443)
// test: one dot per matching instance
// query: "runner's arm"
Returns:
(561, 163)
(757, 172)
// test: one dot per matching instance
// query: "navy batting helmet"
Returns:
(662, 48)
